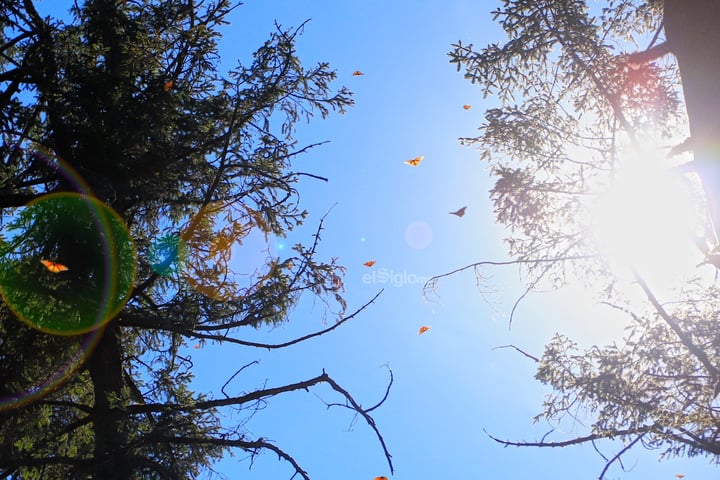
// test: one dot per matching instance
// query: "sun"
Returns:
(646, 219)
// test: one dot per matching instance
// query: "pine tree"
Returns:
(574, 92)
(135, 166)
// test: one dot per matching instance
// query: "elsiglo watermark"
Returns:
(396, 279)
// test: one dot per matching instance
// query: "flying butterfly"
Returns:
(168, 85)
(357, 73)
(415, 161)
(54, 267)
(381, 478)
(680, 475)
(459, 212)
(369, 263)
(467, 107)
(423, 329)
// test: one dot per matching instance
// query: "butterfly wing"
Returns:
(459, 212)
(415, 161)
(357, 73)
(369, 263)
(54, 267)
(423, 329)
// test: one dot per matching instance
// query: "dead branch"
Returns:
(532, 357)
(265, 393)
(639, 431)
(365, 415)
(222, 389)
(431, 285)
(270, 346)
(618, 455)
(252, 447)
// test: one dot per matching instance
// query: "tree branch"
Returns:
(270, 392)
(532, 357)
(684, 337)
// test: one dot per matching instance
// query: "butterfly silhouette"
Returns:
(415, 161)
(54, 267)
(459, 212)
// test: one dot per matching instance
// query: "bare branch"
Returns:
(270, 392)
(370, 421)
(619, 454)
(431, 284)
(387, 391)
(222, 389)
(521, 261)
(250, 446)
(532, 357)
(271, 346)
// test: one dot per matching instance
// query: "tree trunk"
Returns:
(105, 367)
(692, 30)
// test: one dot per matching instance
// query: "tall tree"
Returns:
(575, 94)
(130, 168)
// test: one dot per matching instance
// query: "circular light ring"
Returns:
(31, 376)
(210, 251)
(34, 376)
(91, 243)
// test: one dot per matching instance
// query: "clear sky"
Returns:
(450, 385)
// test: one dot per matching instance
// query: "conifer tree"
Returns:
(131, 167)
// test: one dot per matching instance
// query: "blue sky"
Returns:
(450, 384)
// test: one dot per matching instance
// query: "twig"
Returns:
(532, 357)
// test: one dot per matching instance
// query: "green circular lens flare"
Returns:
(68, 264)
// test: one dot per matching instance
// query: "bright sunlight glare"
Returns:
(645, 221)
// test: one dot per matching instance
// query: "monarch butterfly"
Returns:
(423, 330)
(53, 266)
(459, 212)
(197, 346)
(415, 161)
(369, 263)
(680, 475)
(381, 478)
(168, 85)
(467, 107)
(357, 73)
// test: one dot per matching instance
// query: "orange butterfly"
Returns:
(467, 107)
(53, 266)
(460, 212)
(197, 346)
(415, 161)
(168, 85)
(357, 73)
(369, 263)
(423, 330)
(381, 478)
(680, 475)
